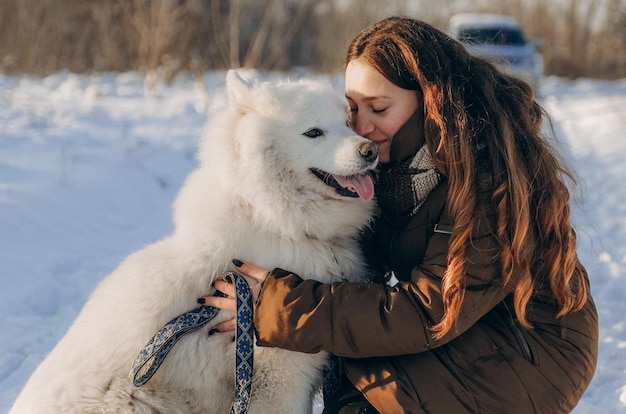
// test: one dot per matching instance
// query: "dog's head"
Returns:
(294, 136)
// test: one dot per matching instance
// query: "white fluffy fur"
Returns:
(252, 198)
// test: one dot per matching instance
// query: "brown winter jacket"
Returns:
(488, 364)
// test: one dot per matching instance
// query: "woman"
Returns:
(492, 312)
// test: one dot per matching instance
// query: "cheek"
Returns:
(392, 125)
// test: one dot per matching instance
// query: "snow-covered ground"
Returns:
(90, 165)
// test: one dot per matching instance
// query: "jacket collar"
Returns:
(408, 140)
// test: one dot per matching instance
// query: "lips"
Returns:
(356, 186)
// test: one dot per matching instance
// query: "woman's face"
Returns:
(378, 108)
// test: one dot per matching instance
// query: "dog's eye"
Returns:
(314, 133)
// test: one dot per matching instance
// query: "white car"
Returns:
(500, 39)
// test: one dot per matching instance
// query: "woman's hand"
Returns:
(255, 277)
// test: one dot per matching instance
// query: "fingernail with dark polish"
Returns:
(213, 331)
(237, 262)
(201, 301)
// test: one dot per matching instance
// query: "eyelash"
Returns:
(376, 111)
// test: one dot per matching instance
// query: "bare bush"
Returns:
(581, 37)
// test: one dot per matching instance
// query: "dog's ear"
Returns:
(240, 92)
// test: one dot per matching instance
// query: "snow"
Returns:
(90, 166)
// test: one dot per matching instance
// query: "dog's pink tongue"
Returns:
(360, 184)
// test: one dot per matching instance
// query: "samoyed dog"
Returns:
(282, 182)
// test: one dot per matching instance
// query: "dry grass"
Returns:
(166, 36)
(581, 38)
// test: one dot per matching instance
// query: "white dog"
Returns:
(282, 182)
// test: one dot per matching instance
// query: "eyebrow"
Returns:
(371, 98)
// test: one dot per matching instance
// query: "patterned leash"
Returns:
(152, 356)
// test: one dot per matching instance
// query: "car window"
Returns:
(492, 36)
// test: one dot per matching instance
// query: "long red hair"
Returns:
(479, 119)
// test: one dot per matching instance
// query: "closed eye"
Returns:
(313, 133)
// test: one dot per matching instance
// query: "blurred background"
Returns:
(579, 38)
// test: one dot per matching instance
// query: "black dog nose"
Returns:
(368, 150)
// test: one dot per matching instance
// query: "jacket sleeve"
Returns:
(360, 320)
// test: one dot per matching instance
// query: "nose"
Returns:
(361, 125)
(368, 150)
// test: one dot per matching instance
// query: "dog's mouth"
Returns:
(356, 186)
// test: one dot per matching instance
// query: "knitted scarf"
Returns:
(404, 184)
